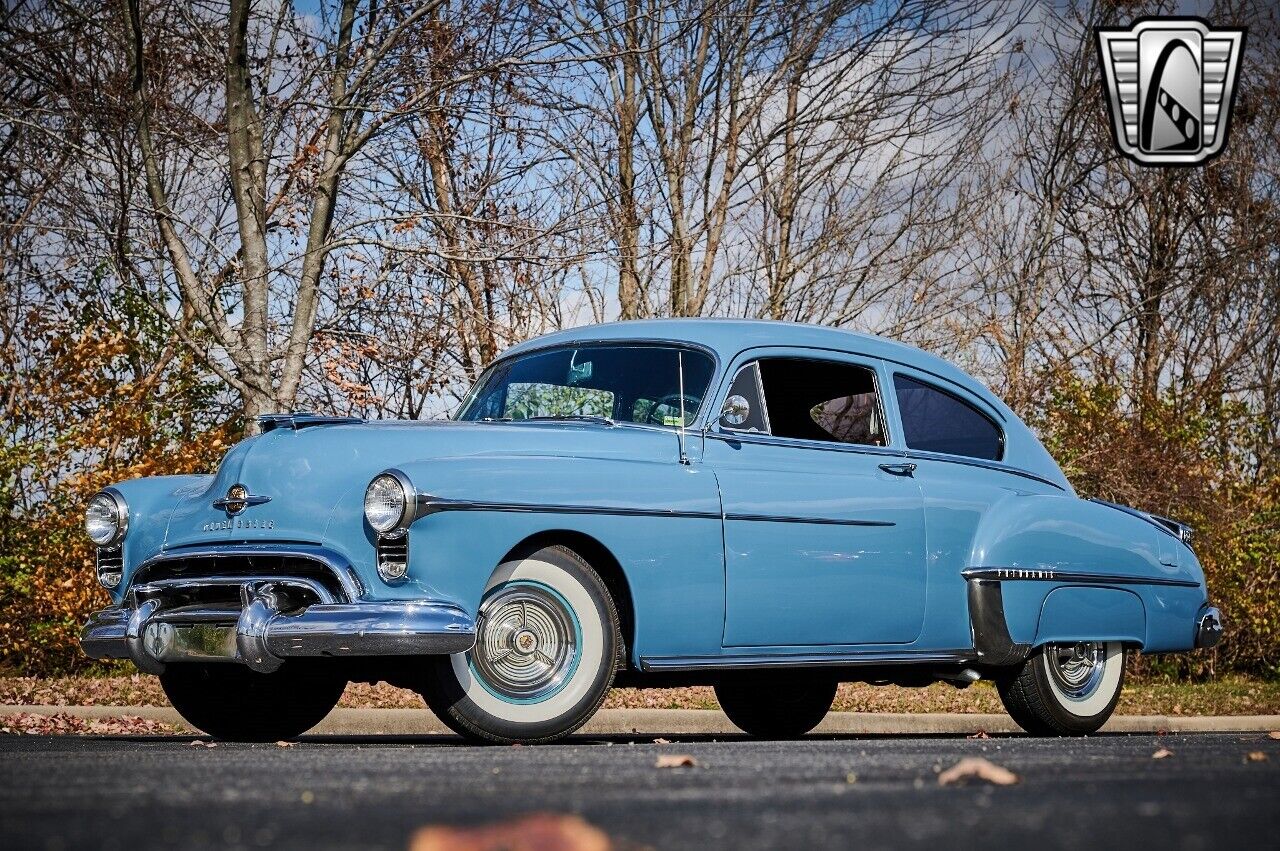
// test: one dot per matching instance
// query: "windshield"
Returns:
(635, 383)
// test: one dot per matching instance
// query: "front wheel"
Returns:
(1066, 689)
(235, 703)
(776, 705)
(546, 649)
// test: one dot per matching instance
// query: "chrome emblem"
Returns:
(1170, 84)
(238, 499)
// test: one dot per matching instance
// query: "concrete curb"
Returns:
(697, 722)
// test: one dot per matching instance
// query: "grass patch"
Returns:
(1229, 695)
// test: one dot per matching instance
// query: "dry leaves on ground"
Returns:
(978, 768)
(675, 760)
(1162, 753)
(1256, 756)
(63, 724)
(536, 832)
(980, 734)
(1274, 734)
(201, 743)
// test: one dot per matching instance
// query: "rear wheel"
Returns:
(776, 705)
(238, 704)
(1066, 689)
(547, 642)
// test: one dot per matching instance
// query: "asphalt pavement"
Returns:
(1212, 791)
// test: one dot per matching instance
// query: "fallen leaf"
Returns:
(1256, 756)
(63, 724)
(284, 744)
(1162, 753)
(528, 833)
(981, 734)
(200, 743)
(1274, 734)
(976, 766)
(675, 760)
(662, 741)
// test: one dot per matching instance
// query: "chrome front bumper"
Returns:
(268, 626)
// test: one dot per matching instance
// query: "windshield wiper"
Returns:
(590, 418)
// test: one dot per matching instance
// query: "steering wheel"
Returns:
(671, 400)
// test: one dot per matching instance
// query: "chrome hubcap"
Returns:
(1077, 669)
(527, 642)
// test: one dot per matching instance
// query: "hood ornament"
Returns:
(238, 499)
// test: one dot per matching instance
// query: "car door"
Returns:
(823, 524)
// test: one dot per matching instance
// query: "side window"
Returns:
(935, 421)
(822, 400)
(746, 385)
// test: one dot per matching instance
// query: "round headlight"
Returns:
(386, 503)
(106, 519)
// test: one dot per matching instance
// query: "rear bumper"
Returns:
(265, 630)
(1209, 628)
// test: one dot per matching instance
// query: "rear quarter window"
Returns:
(934, 420)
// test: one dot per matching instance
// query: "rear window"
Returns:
(933, 420)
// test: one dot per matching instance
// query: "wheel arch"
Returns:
(605, 564)
(1092, 613)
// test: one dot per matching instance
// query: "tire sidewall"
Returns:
(479, 711)
(1089, 715)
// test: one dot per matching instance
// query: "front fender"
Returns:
(659, 519)
(151, 501)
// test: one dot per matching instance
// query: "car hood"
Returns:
(308, 474)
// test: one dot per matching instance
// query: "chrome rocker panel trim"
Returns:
(745, 661)
(264, 632)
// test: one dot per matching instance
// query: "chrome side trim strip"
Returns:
(429, 504)
(1069, 576)
(820, 521)
(804, 660)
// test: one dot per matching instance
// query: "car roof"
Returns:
(728, 337)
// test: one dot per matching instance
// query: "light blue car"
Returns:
(767, 508)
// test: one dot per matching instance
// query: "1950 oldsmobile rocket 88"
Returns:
(767, 508)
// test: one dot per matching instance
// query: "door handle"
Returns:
(899, 469)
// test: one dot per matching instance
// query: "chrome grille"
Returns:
(222, 569)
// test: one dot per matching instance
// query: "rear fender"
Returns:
(1092, 614)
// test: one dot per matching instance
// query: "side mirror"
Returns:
(735, 411)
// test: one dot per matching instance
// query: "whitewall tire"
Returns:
(1066, 689)
(546, 649)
